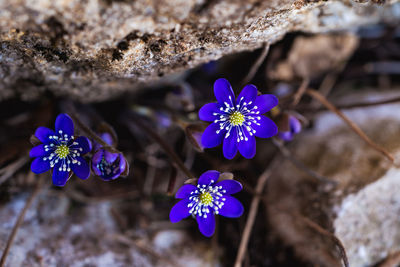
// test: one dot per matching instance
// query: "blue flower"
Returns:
(236, 123)
(294, 127)
(207, 199)
(105, 164)
(61, 150)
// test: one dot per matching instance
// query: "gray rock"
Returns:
(96, 49)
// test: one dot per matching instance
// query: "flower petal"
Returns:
(232, 207)
(295, 125)
(286, 136)
(109, 156)
(38, 151)
(206, 112)
(230, 145)
(81, 168)
(223, 92)
(265, 103)
(207, 177)
(210, 137)
(179, 211)
(40, 166)
(230, 186)
(122, 164)
(84, 143)
(185, 191)
(248, 148)
(60, 178)
(247, 95)
(266, 129)
(64, 123)
(206, 225)
(43, 133)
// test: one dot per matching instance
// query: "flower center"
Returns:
(236, 118)
(206, 198)
(62, 151)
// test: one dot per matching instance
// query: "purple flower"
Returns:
(294, 127)
(237, 122)
(207, 199)
(61, 150)
(105, 164)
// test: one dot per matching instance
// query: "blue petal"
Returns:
(122, 164)
(207, 177)
(286, 136)
(266, 129)
(230, 145)
(84, 143)
(38, 151)
(232, 207)
(295, 125)
(210, 138)
(248, 148)
(179, 211)
(230, 186)
(60, 178)
(265, 103)
(109, 156)
(206, 113)
(206, 225)
(223, 92)
(64, 123)
(82, 170)
(185, 190)
(40, 166)
(43, 133)
(247, 95)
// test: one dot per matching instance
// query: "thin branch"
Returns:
(336, 240)
(92, 134)
(167, 149)
(12, 168)
(300, 92)
(252, 216)
(21, 219)
(352, 125)
(250, 75)
(299, 165)
(392, 260)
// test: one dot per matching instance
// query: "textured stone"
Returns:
(96, 49)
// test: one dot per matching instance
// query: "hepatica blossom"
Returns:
(61, 150)
(236, 122)
(293, 128)
(105, 164)
(207, 199)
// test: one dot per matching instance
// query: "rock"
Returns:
(362, 209)
(97, 49)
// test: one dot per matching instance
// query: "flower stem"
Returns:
(92, 134)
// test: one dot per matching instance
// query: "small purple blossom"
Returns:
(61, 150)
(236, 123)
(209, 198)
(105, 164)
(294, 128)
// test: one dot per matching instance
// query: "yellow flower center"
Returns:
(236, 118)
(62, 151)
(206, 198)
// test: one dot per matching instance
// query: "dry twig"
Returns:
(250, 75)
(167, 149)
(324, 232)
(300, 92)
(12, 168)
(252, 216)
(21, 219)
(352, 125)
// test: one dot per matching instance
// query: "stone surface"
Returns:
(58, 232)
(96, 49)
(362, 209)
